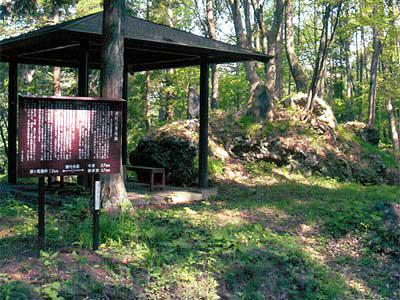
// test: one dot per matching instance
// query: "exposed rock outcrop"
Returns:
(312, 147)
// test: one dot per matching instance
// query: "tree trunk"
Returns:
(56, 70)
(393, 124)
(297, 72)
(193, 103)
(113, 193)
(249, 66)
(170, 93)
(272, 39)
(373, 78)
(56, 81)
(322, 54)
(349, 72)
(3, 130)
(279, 63)
(147, 111)
(169, 96)
(212, 34)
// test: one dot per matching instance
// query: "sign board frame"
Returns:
(65, 136)
(38, 121)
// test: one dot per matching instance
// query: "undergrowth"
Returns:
(281, 240)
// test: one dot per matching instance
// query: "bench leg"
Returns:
(163, 180)
(152, 181)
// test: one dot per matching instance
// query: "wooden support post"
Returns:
(83, 88)
(96, 215)
(83, 72)
(12, 121)
(203, 135)
(41, 229)
(125, 117)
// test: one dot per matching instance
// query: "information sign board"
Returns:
(63, 136)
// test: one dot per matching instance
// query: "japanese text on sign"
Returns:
(69, 136)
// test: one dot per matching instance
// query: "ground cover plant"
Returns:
(276, 236)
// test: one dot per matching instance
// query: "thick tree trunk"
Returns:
(249, 66)
(373, 78)
(297, 72)
(193, 103)
(271, 67)
(113, 193)
(56, 81)
(271, 38)
(212, 34)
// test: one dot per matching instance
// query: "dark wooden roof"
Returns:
(147, 46)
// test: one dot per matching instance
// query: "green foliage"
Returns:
(259, 168)
(234, 90)
(16, 290)
(215, 167)
(381, 150)
(190, 252)
(80, 284)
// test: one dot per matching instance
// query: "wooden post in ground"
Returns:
(41, 212)
(12, 121)
(83, 88)
(203, 134)
(83, 72)
(125, 117)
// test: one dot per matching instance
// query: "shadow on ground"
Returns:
(250, 242)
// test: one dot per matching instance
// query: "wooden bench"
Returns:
(154, 177)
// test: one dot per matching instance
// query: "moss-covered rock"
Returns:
(315, 146)
(175, 154)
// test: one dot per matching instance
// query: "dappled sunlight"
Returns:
(287, 238)
(223, 217)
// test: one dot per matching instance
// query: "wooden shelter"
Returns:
(148, 46)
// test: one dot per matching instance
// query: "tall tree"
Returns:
(113, 192)
(271, 67)
(393, 124)
(270, 41)
(296, 70)
(391, 68)
(212, 34)
(331, 12)
(147, 108)
(56, 70)
(169, 91)
(262, 93)
(257, 90)
(377, 46)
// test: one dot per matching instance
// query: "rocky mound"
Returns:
(316, 146)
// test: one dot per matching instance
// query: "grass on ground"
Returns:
(279, 236)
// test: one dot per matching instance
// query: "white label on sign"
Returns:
(97, 195)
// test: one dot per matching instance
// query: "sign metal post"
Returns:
(96, 208)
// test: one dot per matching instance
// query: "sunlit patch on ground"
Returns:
(286, 238)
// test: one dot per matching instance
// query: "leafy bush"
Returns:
(16, 290)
